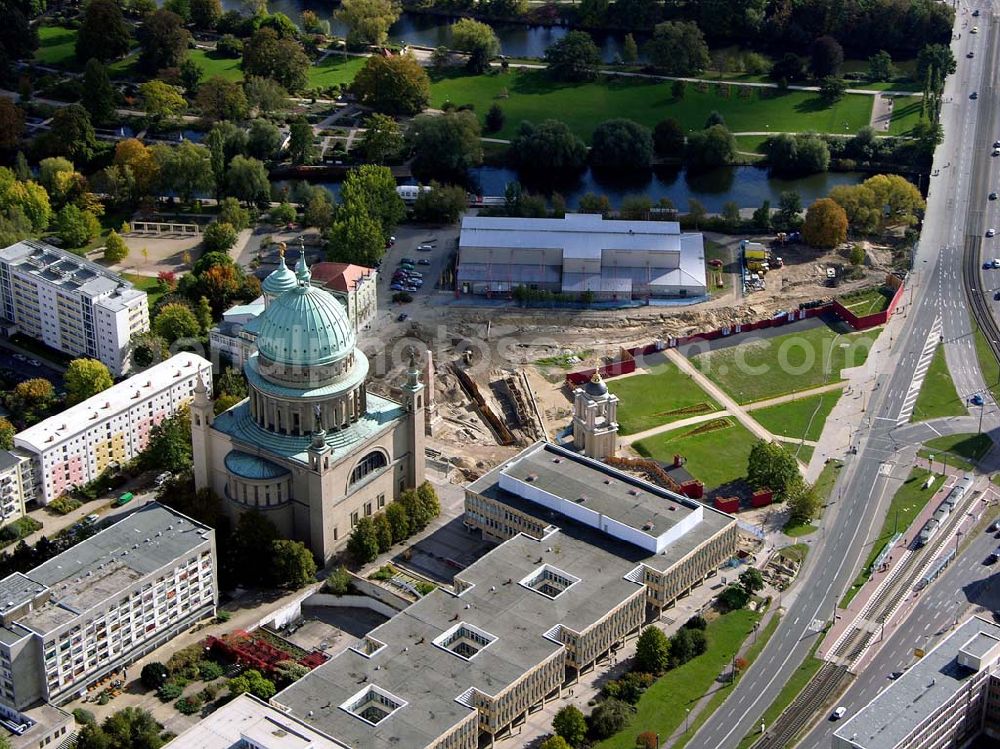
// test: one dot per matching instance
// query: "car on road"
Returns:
(994, 527)
(404, 260)
(993, 196)
(839, 713)
(976, 400)
(970, 54)
(424, 248)
(402, 317)
(974, 95)
(395, 287)
(996, 144)
(991, 232)
(975, 30)
(975, 13)
(895, 675)
(996, 296)
(997, 535)
(423, 261)
(34, 362)
(996, 151)
(408, 266)
(995, 263)
(20, 357)
(992, 558)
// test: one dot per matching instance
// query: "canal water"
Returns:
(747, 186)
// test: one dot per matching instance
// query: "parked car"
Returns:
(424, 248)
(402, 317)
(994, 527)
(996, 144)
(975, 30)
(993, 196)
(991, 232)
(996, 262)
(974, 95)
(895, 675)
(423, 261)
(396, 287)
(996, 295)
(403, 260)
(408, 266)
(34, 362)
(91, 519)
(839, 713)
(971, 54)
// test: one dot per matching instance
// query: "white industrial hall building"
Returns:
(74, 447)
(581, 254)
(70, 303)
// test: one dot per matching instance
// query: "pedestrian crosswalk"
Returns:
(920, 371)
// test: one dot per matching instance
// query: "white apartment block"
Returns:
(17, 484)
(74, 447)
(101, 605)
(70, 303)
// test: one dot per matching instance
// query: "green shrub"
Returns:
(64, 505)
(171, 690)
(339, 582)
(383, 573)
(223, 616)
(209, 670)
(423, 588)
(189, 705)
(84, 717)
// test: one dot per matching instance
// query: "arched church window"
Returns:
(372, 462)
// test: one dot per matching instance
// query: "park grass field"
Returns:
(800, 419)
(662, 708)
(716, 451)
(937, 396)
(213, 64)
(768, 367)
(866, 301)
(57, 47)
(905, 115)
(906, 504)
(334, 70)
(664, 395)
(532, 95)
(796, 450)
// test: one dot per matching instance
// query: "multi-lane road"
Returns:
(957, 210)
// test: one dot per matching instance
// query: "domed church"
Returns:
(309, 448)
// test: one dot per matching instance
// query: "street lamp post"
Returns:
(930, 459)
(687, 719)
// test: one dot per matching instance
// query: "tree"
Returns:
(609, 717)
(71, 133)
(301, 143)
(441, 204)
(154, 675)
(232, 382)
(205, 14)
(678, 48)
(247, 180)
(268, 55)
(180, 7)
(383, 532)
(825, 224)
(429, 499)
(445, 146)
(163, 41)
(161, 100)
(797, 154)
(826, 57)
(789, 68)
(115, 249)
(710, 148)
(265, 95)
(751, 580)
(97, 96)
(593, 203)
(762, 217)
(367, 21)
(668, 138)
(880, 67)
(382, 140)
(75, 227)
(176, 321)
(731, 214)
(218, 236)
(831, 90)
(338, 582)
(395, 85)
(319, 209)
(224, 141)
(355, 237)
(141, 163)
(555, 742)
(935, 62)
(789, 208)
(132, 728)
(479, 40)
(103, 33)
(363, 542)
(7, 432)
(283, 214)
(185, 168)
(570, 725)
(263, 140)
(630, 50)
(204, 315)
(652, 651)
(219, 99)
(495, 119)
(621, 144)
(803, 502)
(232, 213)
(253, 682)
(11, 125)
(373, 189)
(399, 522)
(575, 57)
(548, 149)
(772, 467)
(292, 564)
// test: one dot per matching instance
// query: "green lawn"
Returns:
(802, 452)
(824, 486)
(664, 395)
(958, 450)
(213, 64)
(334, 70)
(716, 251)
(800, 419)
(149, 284)
(751, 143)
(905, 114)
(938, 396)
(716, 451)
(663, 707)
(906, 504)
(867, 301)
(988, 363)
(769, 367)
(723, 692)
(795, 684)
(532, 95)
(795, 552)
(57, 46)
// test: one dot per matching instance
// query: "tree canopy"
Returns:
(678, 48)
(85, 378)
(396, 85)
(103, 33)
(445, 146)
(163, 41)
(825, 224)
(575, 57)
(621, 144)
(367, 21)
(547, 148)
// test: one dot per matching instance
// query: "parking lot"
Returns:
(25, 367)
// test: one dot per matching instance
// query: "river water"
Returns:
(747, 186)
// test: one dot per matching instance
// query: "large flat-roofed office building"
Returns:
(70, 303)
(102, 604)
(946, 699)
(580, 254)
(566, 583)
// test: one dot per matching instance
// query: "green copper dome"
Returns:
(305, 327)
(280, 280)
